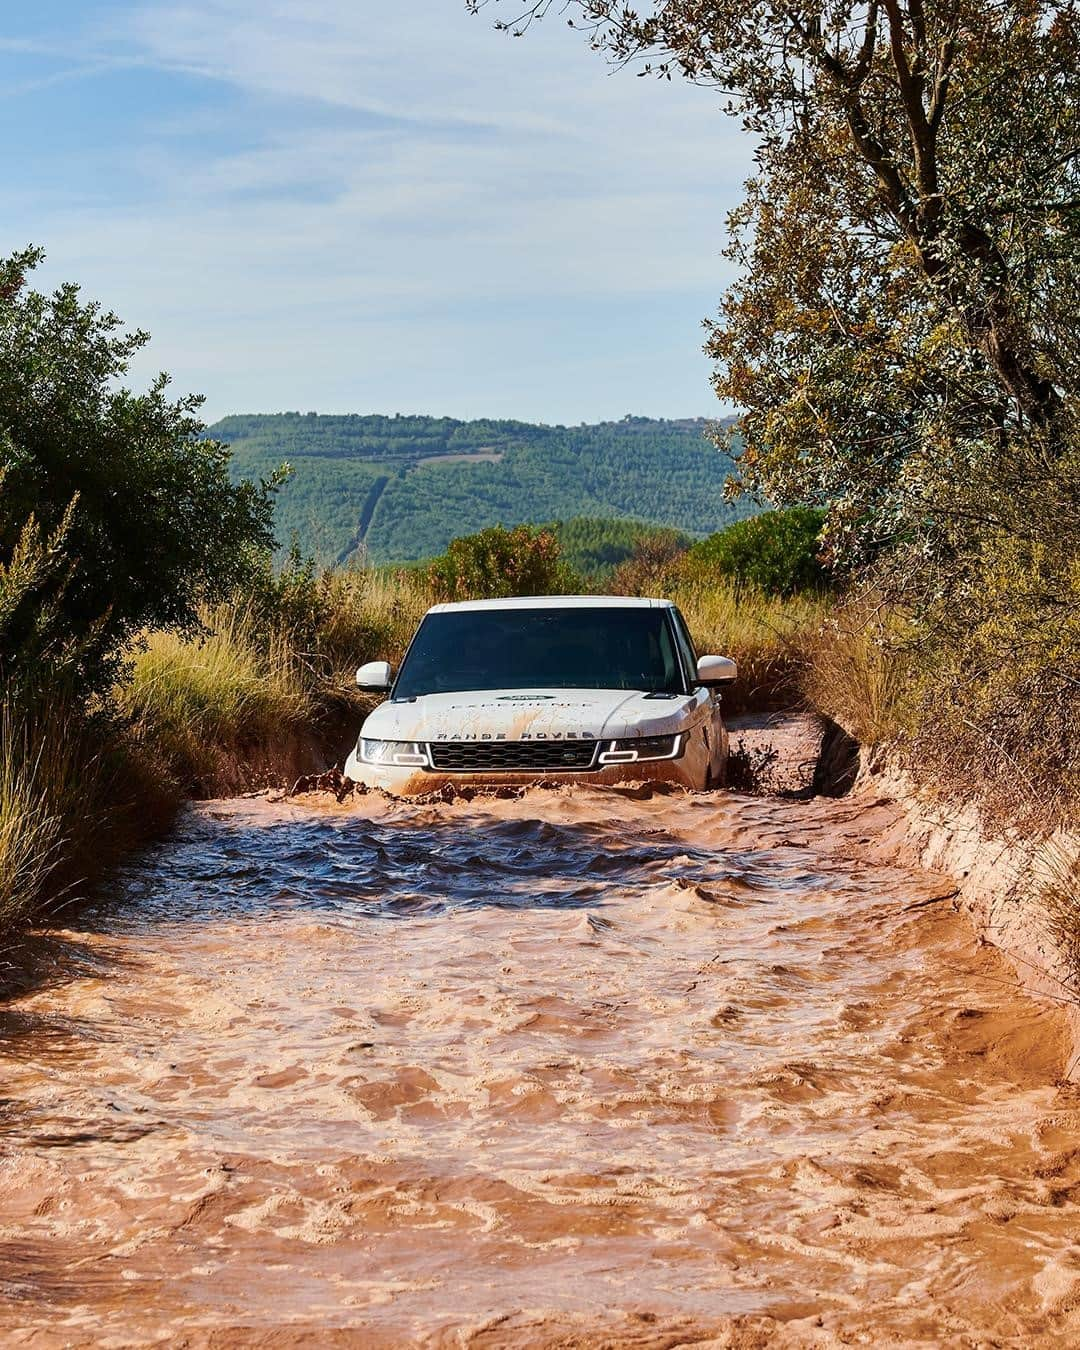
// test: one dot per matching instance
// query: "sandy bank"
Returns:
(1000, 876)
(1000, 879)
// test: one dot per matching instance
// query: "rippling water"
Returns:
(573, 1069)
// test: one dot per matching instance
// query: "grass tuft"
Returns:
(193, 702)
(1060, 866)
(858, 671)
(75, 794)
(30, 829)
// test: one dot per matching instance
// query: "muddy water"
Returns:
(575, 1069)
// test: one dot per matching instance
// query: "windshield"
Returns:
(587, 648)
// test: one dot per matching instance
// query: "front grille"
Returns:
(511, 756)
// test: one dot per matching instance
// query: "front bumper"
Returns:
(691, 771)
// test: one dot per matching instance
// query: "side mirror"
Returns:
(375, 677)
(714, 670)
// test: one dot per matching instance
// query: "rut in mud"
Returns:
(576, 1066)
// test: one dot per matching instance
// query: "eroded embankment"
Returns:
(1001, 875)
(1002, 878)
(579, 1068)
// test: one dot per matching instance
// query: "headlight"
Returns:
(635, 748)
(412, 753)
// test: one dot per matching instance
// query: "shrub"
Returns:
(595, 547)
(999, 709)
(498, 562)
(336, 619)
(776, 552)
(132, 511)
(653, 567)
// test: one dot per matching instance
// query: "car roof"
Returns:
(557, 602)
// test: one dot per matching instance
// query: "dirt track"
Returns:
(581, 1068)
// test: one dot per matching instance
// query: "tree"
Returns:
(114, 514)
(903, 338)
(498, 562)
(909, 241)
(776, 552)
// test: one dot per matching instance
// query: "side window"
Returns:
(686, 647)
(669, 659)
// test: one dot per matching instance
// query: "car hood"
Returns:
(573, 714)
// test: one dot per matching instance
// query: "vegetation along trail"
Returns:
(576, 1065)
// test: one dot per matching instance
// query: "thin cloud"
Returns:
(350, 199)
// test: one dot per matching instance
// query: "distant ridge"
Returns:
(397, 489)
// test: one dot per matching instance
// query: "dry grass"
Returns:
(283, 666)
(75, 794)
(30, 827)
(191, 701)
(765, 635)
(858, 672)
(267, 675)
(367, 615)
(1060, 898)
(371, 615)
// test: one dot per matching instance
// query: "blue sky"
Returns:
(371, 205)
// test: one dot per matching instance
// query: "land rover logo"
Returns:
(523, 698)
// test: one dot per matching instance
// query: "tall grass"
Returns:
(369, 615)
(75, 793)
(193, 703)
(30, 829)
(1060, 897)
(765, 635)
(366, 615)
(858, 670)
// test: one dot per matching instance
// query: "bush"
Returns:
(776, 552)
(999, 697)
(653, 567)
(129, 513)
(497, 563)
(336, 619)
(114, 515)
(595, 547)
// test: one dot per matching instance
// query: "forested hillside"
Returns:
(400, 488)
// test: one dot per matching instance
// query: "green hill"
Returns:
(400, 488)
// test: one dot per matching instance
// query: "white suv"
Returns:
(567, 688)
